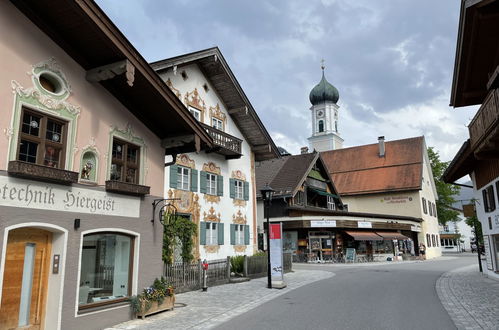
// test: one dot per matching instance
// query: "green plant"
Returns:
(237, 264)
(178, 228)
(157, 292)
(259, 254)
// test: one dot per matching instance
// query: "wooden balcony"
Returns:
(484, 128)
(226, 144)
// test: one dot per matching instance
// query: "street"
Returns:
(399, 296)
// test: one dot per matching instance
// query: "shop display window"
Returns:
(106, 272)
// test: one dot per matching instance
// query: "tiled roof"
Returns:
(360, 170)
(283, 174)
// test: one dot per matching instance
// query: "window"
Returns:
(425, 211)
(330, 203)
(239, 189)
(211, 184)
(211, 233)
(183, 178)
(428, 242)
(217, 123)
(321, 126)
(42, 139)
(489, 202)
(196, 113)
(446, 228)
(239, 229)
(106, 269)
(430, 209)
(125, 162)
(299, 199)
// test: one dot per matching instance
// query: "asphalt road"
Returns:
(384, 297)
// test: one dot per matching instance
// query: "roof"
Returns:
(91, 39)
(285, 174)
(477, 52)
(324, 91)
(461, 165)
(360, 170)
(215, 68)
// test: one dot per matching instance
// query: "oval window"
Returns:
(50, 83)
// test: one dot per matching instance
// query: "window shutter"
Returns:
(232, 188)
(202, 182)
(246, 191)
(202, 233)
(485, 200)
(194, 180)
(246, 235)
(492, 198)
(232, 234)
(220, 233)
(220, 185)
(173, 176)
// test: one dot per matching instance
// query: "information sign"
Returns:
(276, 264)
(350, 254)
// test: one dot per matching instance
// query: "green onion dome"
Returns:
(323, 91)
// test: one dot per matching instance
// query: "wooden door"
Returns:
(19, 241)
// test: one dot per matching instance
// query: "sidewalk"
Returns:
(205, 310)
(471, 299)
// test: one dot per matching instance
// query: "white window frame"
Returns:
(196, 113)
(238, 189)
(183, 178)
(239, 234)
(330, 203)
(211, 184)
(211, 233)
(217, 123)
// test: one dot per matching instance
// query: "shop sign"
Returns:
(276, 256)
(396, 199)
(22, 193)
(323, 223)
(350, 254)
(416, 229)
(364, 224)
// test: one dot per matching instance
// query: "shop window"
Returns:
(125, 162)
(42, 139)
(211, 233)
(423, 200)
(239, 234)
(106, 269)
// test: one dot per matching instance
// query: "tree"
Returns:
(445, 191)
(474, 223)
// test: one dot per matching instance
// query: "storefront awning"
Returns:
(323, 193)
(392, 235)
(364, 236)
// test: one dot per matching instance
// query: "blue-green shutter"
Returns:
(173, 176)
(220, 234)
(202, 233)
(246, 191)
(202, 182)
(194, 180)
(232, 188)
(220, 185)
(246, 235)
(232, 234)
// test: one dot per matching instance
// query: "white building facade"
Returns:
(216, 188)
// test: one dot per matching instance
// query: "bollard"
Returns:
(205, 275)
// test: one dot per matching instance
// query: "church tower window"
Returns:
(321, 126)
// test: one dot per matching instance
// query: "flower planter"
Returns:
(155, 307)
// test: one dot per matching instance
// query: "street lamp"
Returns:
(267, 194)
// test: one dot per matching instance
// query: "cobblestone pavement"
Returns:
(205, 310)
(471, 299)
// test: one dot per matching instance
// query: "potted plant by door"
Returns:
(156, 298)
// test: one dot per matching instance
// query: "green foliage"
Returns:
(237, 264)
(158, 291)
(475, 224)
(259, 254)
(182, 229)
(446, 192)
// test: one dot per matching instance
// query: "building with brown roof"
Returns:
(316, 224)
(391, 177)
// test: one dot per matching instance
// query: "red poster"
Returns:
(275, 231)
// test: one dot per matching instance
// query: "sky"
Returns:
(391, 60)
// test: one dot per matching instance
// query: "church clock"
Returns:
(320, 114)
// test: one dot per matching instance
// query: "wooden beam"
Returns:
(238, 110)
(493, 80)
(179, 141)
(112, 70)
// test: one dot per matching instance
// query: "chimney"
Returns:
(304, 150)
(381, 144)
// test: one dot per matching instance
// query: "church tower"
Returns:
(324, 111)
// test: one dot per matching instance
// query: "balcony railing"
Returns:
(226, 144)
(484, 126)
(317, 184)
